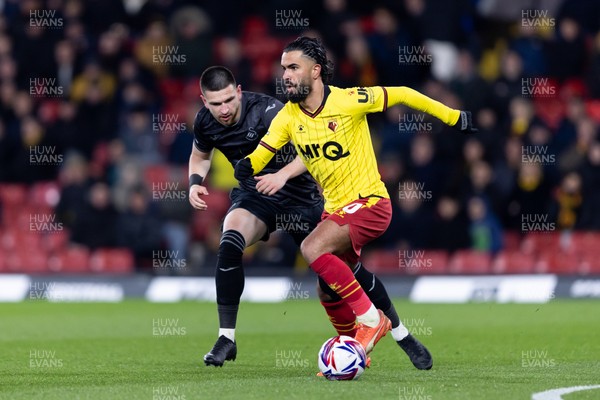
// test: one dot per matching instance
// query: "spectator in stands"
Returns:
(569, 44)
(484, 229)
(385, 41)
(64, 130)
(468, 85)
(192, 29)
(66, 65)
(139, 137)
(590, 173)
(156, 40)
(74, 181)
(93, 90)
(482, 184)
(451, 226)
(566, 202)
(95, 225)
(35, 156)
(411, 225)
(139, 227)
(423, 167)
(530, 195)
(566, 133)
(509, 84)
(593, 74)
(574, 156)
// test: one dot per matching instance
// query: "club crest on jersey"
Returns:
(251, 135)
(332, 125)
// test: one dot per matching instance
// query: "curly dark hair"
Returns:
(313, 48)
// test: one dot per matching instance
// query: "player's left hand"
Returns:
(269, 184)
(465, 123)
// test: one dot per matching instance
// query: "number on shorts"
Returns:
(352, 208)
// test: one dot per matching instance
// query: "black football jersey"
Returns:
(239, 140)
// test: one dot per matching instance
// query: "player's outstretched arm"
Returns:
(260, 157)
(460, 120)
(198, 169)
(270, 184)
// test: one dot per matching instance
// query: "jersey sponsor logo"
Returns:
(331, 150)
(363, 95)
(272, 106)
(251, 135)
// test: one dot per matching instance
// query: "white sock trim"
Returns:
(228, 333)
(370, 318)
(399, 332)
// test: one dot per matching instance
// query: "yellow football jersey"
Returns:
(334, 141)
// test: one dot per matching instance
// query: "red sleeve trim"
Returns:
(267, 146)
(385, 98)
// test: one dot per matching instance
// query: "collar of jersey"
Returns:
(326, 92)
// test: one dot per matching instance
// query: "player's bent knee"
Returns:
(310, 251)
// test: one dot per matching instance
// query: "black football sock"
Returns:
(325, 288)
(376, 292)
(229, 278)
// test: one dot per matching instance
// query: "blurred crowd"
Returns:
(112, 87)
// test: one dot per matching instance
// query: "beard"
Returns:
(300, 94)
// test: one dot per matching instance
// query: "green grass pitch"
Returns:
(140, 350)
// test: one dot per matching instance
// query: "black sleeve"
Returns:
(272, 107)
(201, 142)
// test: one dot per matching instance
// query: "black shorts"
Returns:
(297, 221)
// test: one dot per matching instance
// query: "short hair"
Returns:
(313, 48)
(216, 78)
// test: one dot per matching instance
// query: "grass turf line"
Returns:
(112, 351)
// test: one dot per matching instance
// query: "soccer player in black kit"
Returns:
(234, 122)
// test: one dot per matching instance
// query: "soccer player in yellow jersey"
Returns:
(329, 129)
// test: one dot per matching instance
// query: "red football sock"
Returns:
(341, 279)
(341, 316)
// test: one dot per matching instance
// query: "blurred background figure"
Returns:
(484, 228)
(83, 100)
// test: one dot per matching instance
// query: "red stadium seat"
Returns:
(585, 242)
(536, 242)
(24, 217)
(27, 261)
(429, 262)
(3, 266)
(470, 262)
(382, 261)
(513, 262)
(218, 202)
(113, 261)
(590, 264)
(512, 240)
(555, 261)
(45, 194)
(13, 194)
(55, 241)
(15, 239)
(73, 260)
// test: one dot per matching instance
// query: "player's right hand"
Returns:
(196, 191)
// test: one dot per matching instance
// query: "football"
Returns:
(342, 358)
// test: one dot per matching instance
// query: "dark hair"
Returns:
(313, 48)
(216, 78)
